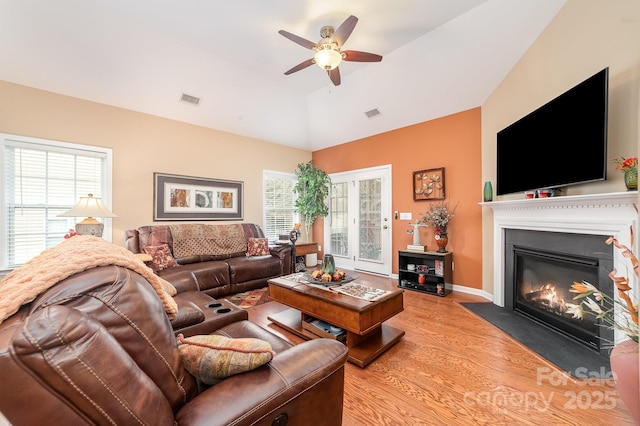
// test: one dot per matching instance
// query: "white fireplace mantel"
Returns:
(612, 214)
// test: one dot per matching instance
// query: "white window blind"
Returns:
(279, 208)
(42, 179)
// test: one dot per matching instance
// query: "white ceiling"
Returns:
(439, 57)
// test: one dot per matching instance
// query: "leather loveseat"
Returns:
(216, 257)
(98, 348)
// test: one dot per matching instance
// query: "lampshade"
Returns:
(327, 57)
(89, 207)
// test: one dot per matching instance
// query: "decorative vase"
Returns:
(441, 240)
(624, 365)
(487, 192)
(328, 264)
(631, 178)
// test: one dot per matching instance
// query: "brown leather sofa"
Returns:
(220, 274)
(98, 348)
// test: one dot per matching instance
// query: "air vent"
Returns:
(373, 113)
(190, 99)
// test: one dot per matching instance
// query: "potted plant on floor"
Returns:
(312, 188)
(619, 313)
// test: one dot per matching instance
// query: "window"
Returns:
(40, 180)
(279, 208)
(339, 218)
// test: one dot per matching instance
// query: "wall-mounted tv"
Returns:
(564, 142)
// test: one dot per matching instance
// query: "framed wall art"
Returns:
(194, 198)
(428, 184)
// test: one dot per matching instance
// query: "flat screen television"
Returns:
(564, 142)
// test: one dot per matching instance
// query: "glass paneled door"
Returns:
(358, 228)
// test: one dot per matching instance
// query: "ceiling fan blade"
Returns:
(344, 30)
(301, 66)
(355, 56)
(299, 40)
(334, 75)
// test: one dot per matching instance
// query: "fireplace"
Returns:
(538, 234)
(540, 268)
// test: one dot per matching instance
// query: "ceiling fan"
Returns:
(328, 54)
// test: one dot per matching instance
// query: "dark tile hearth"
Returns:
(567, 354)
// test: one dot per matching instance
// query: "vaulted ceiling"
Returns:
(439, 57)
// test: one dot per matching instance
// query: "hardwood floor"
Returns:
(454, 368)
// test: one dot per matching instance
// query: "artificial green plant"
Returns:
(312, 188)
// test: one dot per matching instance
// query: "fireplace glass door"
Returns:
(543, 282)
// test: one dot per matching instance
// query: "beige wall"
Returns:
(143, 144)
(585, 37)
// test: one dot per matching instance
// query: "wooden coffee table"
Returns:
(367, 337)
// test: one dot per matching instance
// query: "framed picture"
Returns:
(428, 184)
(194, 198)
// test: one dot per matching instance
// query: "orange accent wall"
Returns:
(452, 142)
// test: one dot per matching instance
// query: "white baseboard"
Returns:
(474, 291)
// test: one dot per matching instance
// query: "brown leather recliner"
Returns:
(98, 348)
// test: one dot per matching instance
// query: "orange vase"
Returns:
(441, 241)
(624, 365)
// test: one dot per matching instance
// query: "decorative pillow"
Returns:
(161, 257)
(210, 358)
(257, 246)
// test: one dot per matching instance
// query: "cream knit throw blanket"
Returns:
(71, 256)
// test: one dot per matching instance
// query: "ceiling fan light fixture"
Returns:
(327, 57)
(327, 51)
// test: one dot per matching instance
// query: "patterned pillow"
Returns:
(257, 246)
(161, 257)
(210, 358)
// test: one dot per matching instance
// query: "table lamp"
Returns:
(89, 207)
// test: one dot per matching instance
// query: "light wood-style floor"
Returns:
(454, 368)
